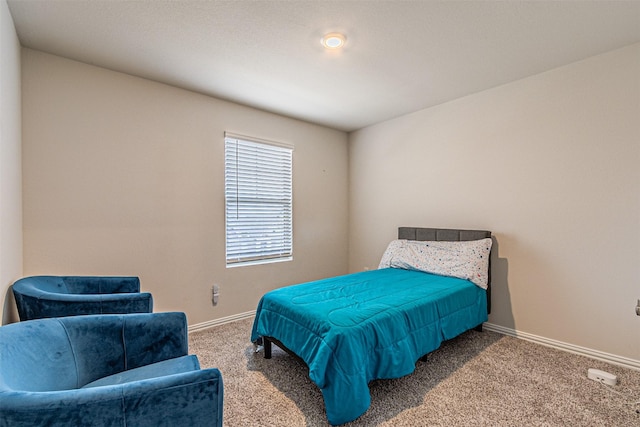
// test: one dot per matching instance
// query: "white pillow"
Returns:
(466, 260)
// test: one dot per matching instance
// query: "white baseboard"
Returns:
(211, 323)
(583, 351)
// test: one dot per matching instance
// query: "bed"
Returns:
(431, 285)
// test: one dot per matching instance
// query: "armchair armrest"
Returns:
(191, 398)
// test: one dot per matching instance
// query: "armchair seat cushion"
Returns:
(164, 368)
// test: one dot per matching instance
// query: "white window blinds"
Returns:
(258, 200)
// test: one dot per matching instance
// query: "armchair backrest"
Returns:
(36, 356)
(101, 284)
(70, 352)
(36, 285)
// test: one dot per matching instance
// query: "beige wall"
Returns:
(10, 164)
(124, 176)
(550, 164)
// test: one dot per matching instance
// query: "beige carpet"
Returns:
(477, 379)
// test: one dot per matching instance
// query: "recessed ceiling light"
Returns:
(333, 40)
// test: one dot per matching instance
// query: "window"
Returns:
(258, 200)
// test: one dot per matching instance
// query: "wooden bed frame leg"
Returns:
(267, 348)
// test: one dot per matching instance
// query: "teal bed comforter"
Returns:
(370, 325)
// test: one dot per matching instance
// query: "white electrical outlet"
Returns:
(602, 376)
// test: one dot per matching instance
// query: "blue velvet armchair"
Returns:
(39, 297)
(105, 370)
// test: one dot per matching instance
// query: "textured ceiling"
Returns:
(400, 56)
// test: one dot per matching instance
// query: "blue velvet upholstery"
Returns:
(107, 370)
(39, 297)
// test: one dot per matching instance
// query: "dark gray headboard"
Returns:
(448, 235)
